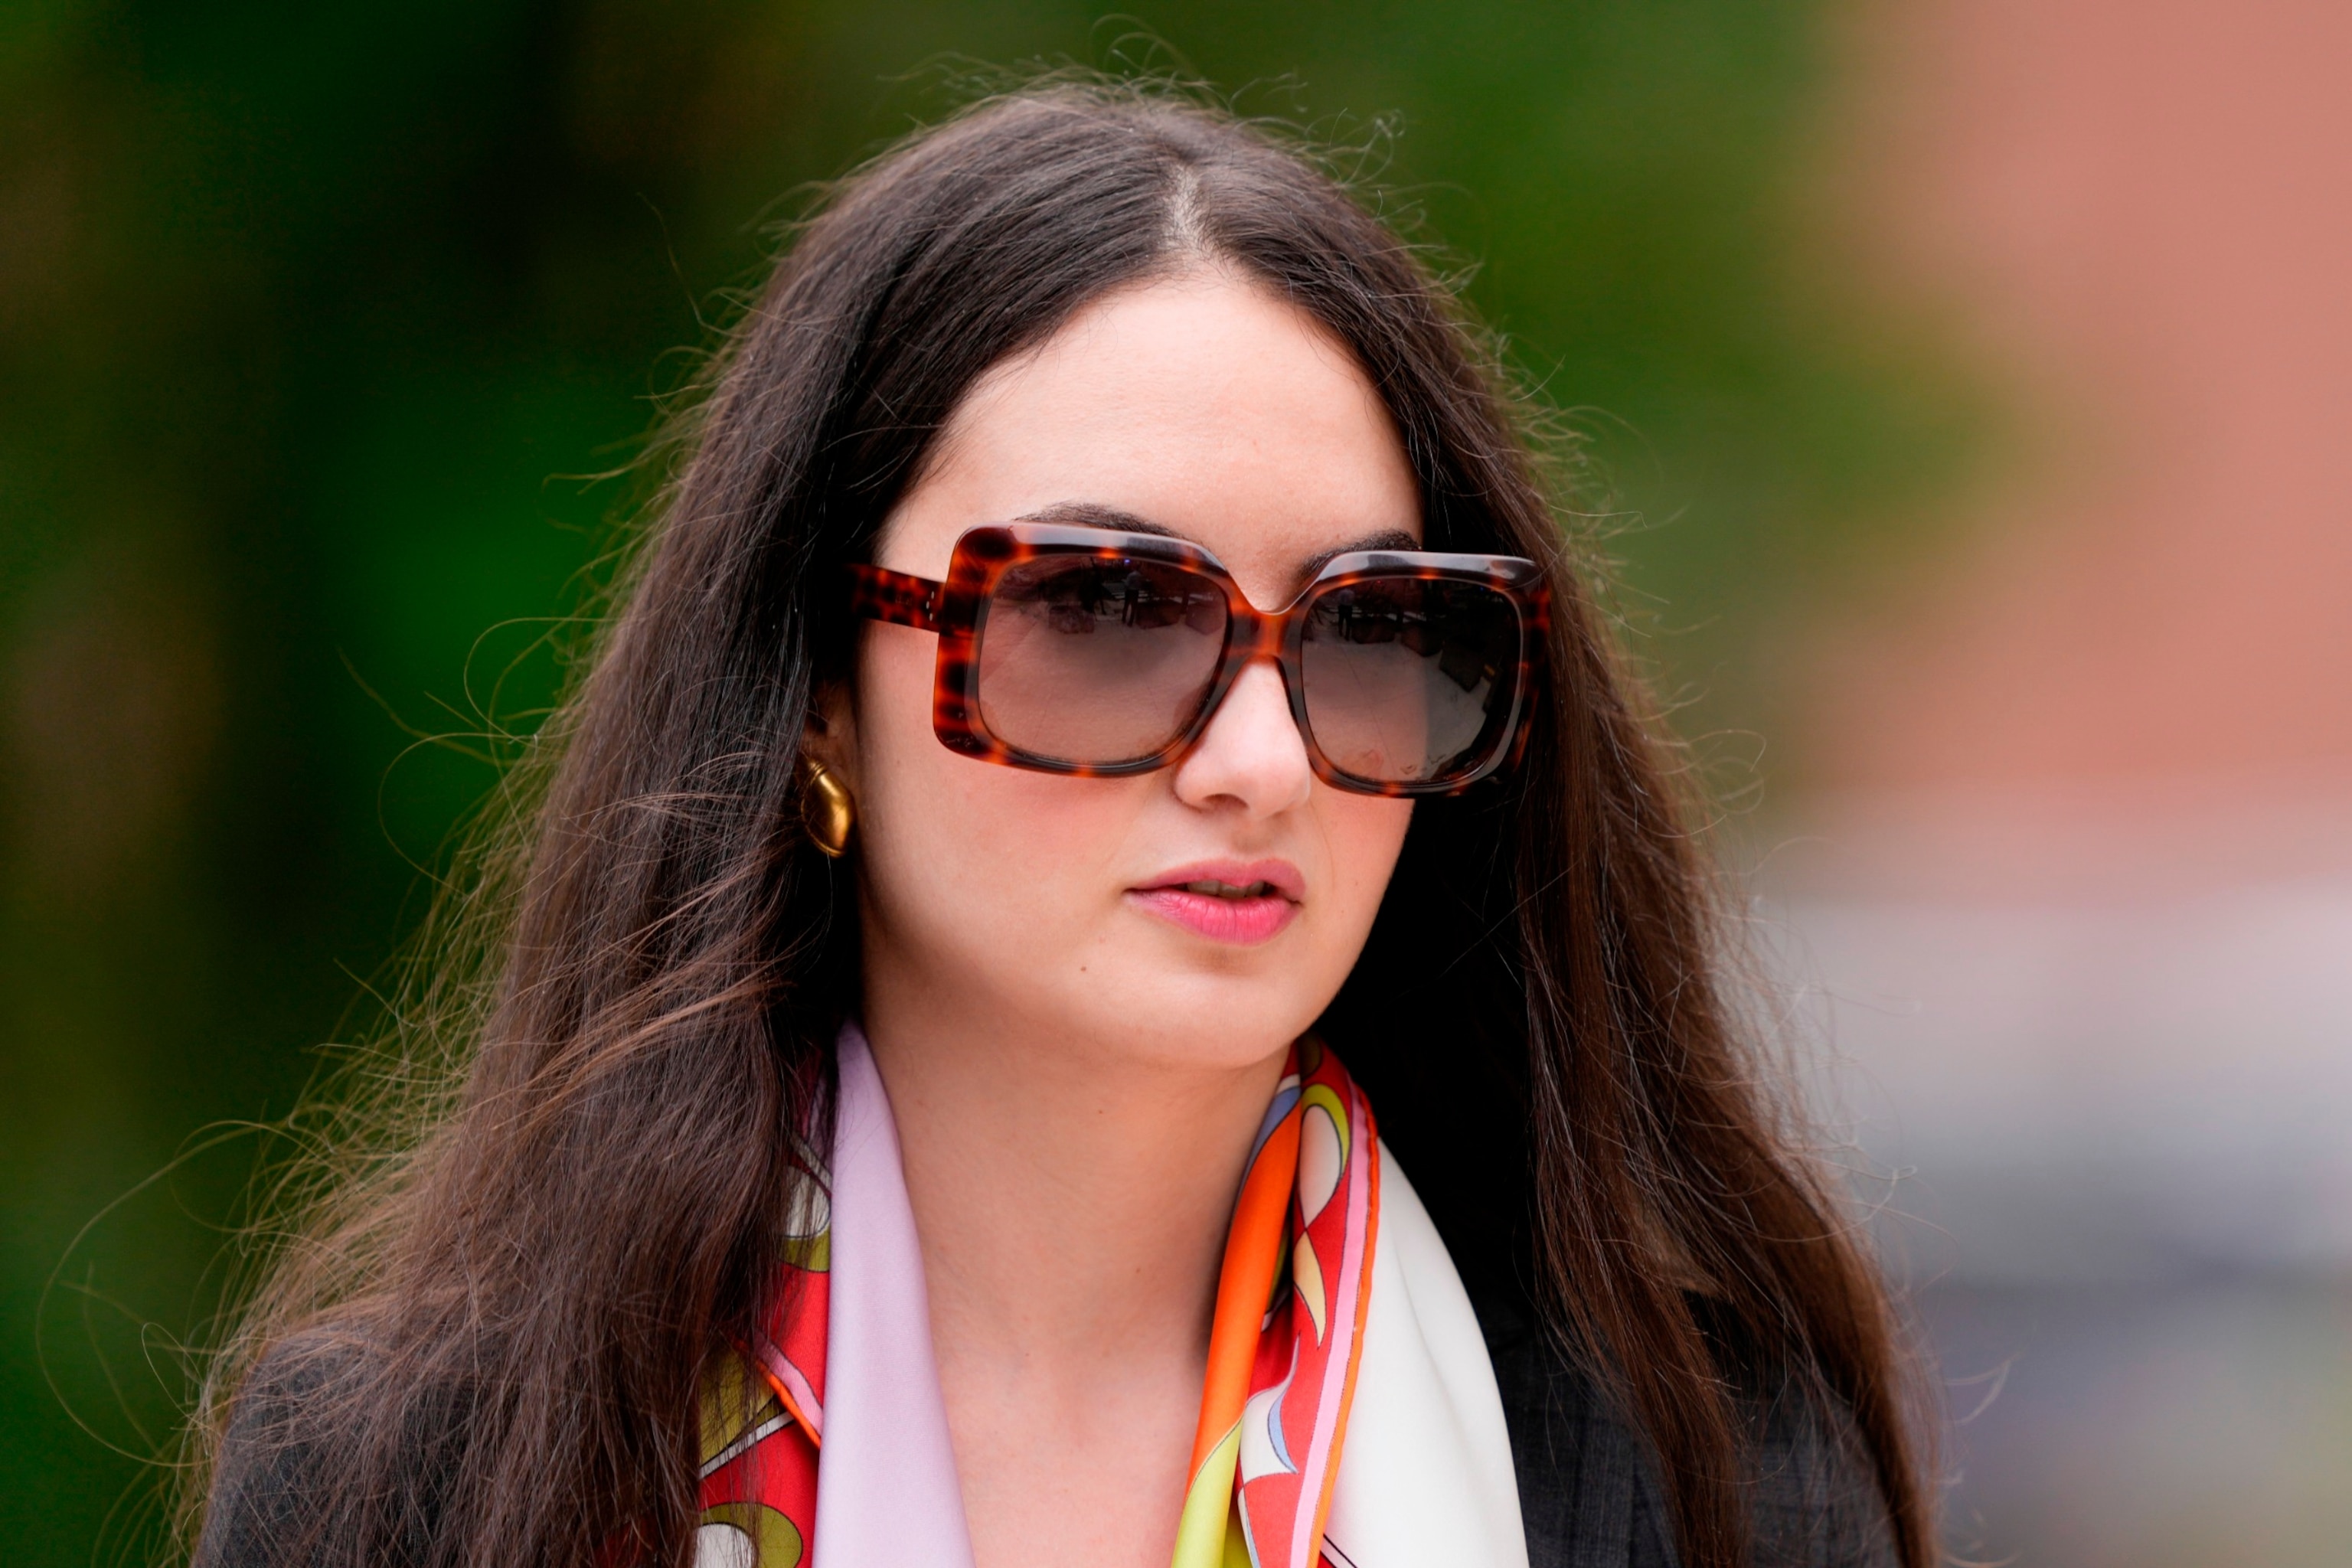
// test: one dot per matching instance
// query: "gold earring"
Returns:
(828, 813)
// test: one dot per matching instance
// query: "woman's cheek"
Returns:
(1366, 833)
(982, 867)
(1022, 840)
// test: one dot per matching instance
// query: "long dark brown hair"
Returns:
(484, 1346)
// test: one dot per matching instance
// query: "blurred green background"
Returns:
(312, 317)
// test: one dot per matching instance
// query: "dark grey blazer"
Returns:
(1588, 1490)
(1590, 1493)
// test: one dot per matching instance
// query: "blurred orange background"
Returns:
(2073, 883)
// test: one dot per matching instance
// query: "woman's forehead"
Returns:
(1200, 406)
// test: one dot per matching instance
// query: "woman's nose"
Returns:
(1251, 754)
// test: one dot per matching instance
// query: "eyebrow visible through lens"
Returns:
(1087, 514)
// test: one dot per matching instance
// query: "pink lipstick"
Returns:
(1237, 901)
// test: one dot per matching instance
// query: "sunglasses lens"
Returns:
(1097, 662)
(1409, 680)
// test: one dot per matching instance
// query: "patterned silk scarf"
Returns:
(1283, 1348)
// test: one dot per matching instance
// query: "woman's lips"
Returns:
(1241, 902)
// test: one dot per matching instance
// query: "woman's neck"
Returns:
(1072, 1207)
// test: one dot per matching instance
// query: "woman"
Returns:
(1106, 663)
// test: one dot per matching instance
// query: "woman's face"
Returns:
(1204, 914)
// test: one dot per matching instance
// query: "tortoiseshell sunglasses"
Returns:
(1095, 652)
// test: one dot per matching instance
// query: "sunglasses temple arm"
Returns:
(899, 597)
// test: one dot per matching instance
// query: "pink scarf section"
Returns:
(847, 1375)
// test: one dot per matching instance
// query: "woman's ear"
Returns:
(829, 734)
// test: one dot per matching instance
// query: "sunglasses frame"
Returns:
(954, 610)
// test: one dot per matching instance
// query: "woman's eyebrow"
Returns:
(1089, 514)
(1386, 539)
